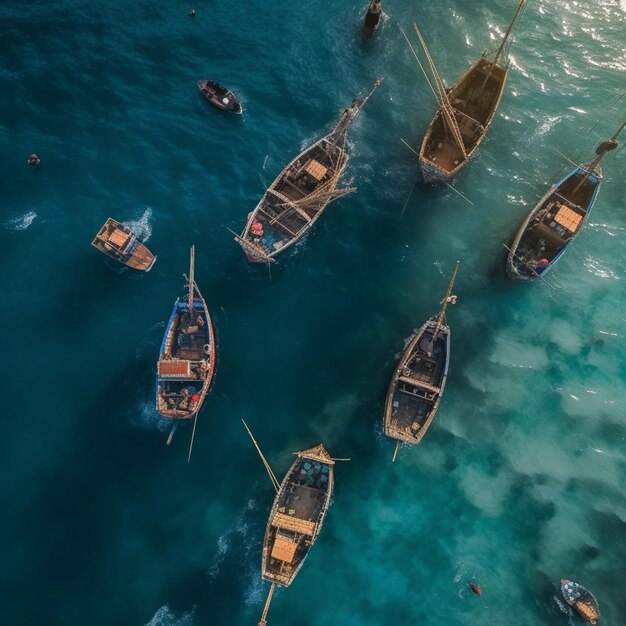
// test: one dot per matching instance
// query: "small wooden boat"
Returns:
(300, 506)
(557, 218)
(582, 600)
(186, 358)
(300, 193)
(220, 96)
(465, 111)
(419, 379)
(120, 243)
(372, 19)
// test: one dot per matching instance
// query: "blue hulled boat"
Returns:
(187, 357)
(557, 218)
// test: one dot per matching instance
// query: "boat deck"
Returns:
(294, 523)
(418, 388)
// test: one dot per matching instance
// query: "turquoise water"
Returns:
(520, 479)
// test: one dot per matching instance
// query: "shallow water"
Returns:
(520, 479)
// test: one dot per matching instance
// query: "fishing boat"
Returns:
(220, 96)
(465, 111)
(419, 379)
(582, 600)
(300, 193)
(555, 221)
(186, 358)
(295, 521)
(120, 243)
(372, 19)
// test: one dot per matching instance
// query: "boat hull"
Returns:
(525, 259)
(417, 384)
(297, 515)
(440, 157)
(581, 600)
(119, 243)
(185, 365)
(220, 97)
(277, 235)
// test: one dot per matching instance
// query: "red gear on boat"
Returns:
(257, 228)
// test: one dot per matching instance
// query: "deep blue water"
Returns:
(520, 480)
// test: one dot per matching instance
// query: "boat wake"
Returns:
(166, 617)
(142, 227)
(22, 222)
(224, 543)
(147, 418)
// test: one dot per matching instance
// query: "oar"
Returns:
(395, 452)
(266, 608)
(171, 435)
(193, 434)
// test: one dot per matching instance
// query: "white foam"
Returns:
(166, 617)
(142, 227)
(225, 541)
(22, 222)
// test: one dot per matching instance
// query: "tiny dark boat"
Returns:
(220, 96)
(372, 19)
(465, 111)
(419, 379)
(300, 193)
(187, 356)
(582, 600)
(120, 243)
(555, 221)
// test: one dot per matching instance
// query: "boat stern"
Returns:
(431, 174)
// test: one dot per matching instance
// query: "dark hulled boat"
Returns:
(300, 193)
(582, 600)
(372, 19)
(297, 515)
(187, 356)
(555, 221)
(419, 379)
(220, 96)
(465, 112)
(120, 243)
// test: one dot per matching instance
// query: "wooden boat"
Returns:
(120, 243)
(419, 379)
(372, 19)
(186, 358)
(465, 111)
(220, 96)
(300, 193)
(582, 600)
(300, 506)
(555, 221)
(297, 515)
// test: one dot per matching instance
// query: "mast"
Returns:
(351, 112)
(601, 150)
(520, 6)
(191, 280)
(449, 299)
(447, 108)
(265, 463)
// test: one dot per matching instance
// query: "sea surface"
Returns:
(520, 480)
